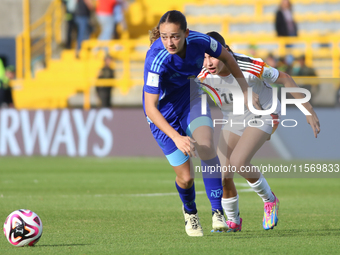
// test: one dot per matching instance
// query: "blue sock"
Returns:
(188, 198)
(213, 182)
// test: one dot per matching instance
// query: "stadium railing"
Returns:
(125, 52)
(68, 76)
(246, 16)
(37, 40)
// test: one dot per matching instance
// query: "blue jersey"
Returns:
(169, 75)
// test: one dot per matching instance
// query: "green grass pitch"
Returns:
(131, 206)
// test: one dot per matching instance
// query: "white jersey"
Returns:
(259, 76)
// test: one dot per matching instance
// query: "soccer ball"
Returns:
(23, 227)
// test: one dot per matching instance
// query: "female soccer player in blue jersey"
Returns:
(172, 106)
(238, 143)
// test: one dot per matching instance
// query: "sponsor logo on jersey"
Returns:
(174, 76)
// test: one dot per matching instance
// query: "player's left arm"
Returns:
(313, 120)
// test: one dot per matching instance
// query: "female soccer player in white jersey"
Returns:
(239, 142)
(172, 106)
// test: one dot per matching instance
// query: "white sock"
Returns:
(261, 187)
(230, 206)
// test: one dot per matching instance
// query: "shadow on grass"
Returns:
(280, 233)
(61, 245)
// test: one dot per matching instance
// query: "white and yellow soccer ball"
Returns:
(23, 227)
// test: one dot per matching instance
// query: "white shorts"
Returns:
(238, 123)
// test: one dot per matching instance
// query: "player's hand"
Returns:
(192, 147)
(185, 144)
(313, 121)
(255, 100)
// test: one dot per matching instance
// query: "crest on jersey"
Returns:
(210, 91)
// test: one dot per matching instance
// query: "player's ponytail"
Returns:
(175, 17)
(154, 34)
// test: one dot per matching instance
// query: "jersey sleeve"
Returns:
(202, 75)
(151, 82)
(269, 74)
(210, 45)
(214, 48)
(152, 72)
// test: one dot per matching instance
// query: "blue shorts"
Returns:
(185, 124)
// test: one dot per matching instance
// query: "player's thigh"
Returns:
(193, 118)
(200, 127)
(249, 143)
(204, 143)
(226, 144)
(169, 148)
(203, 136)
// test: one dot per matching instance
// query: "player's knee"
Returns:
(237, 162)
(185, 181)
(205, 143)
(228, 174)
(205, 147)
(226, 181)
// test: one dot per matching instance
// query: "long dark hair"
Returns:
(220, 39)
(169, 17)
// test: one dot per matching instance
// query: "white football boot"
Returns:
(192, 224)
(219, 223)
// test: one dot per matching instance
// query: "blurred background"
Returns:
(71, 71)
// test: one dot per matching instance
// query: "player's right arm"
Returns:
(153, 70)
(312, 119)
(272, 75)
(151, 110)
